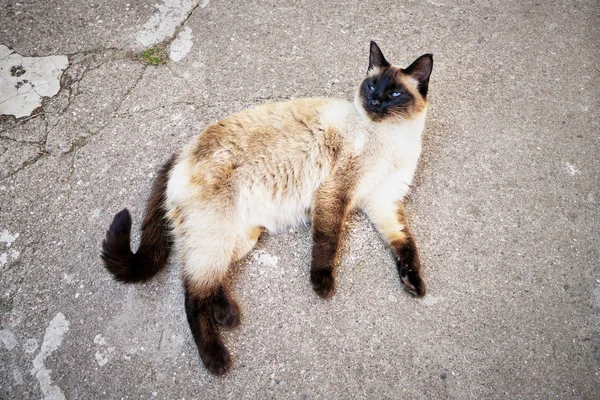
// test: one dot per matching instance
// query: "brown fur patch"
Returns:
(271, 145)
(156, 238)
(332, 202)
(175, 216)
(202, 288)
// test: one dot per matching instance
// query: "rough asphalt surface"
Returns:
(505, 206)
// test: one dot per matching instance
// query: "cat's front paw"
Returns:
(413, 283)
(323, 282)
(215, 358)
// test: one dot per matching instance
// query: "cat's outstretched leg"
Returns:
(206, 258)
(225, 309)
(391, 222)
(199, 312)
(329, 212)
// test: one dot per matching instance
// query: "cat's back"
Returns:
(271, 131)
(280, 122)
(279, 151)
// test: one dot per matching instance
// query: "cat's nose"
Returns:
(374, 102)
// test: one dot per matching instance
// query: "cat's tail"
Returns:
(155, 243)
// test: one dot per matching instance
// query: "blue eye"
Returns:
(371, 88)
(395, 94)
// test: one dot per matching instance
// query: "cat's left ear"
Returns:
(420, 70)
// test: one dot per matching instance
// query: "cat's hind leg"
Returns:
(245, 243)
(198, 309)
(225, 309)
(206, 258)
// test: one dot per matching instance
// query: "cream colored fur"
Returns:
(260, 168)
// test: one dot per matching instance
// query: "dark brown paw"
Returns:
(227, 314)
(323, 282)
(413, 283)
(215, 358)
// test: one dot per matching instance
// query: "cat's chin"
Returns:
(376, 117)
(382, 117)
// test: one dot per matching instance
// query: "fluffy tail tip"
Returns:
(121, 224)
(116, 249)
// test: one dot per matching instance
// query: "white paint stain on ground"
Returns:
(101, 358)
(266, 259)
(182, 45)
(7, 237)
(103, 355)
(99, 339)
(25, 80)
(30, 346)
(170, 14)
(18, 377)
(7, 338)
(52, 340)
(12, 255)
(572, 169)
(429, 301)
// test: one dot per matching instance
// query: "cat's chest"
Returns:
(391, 164)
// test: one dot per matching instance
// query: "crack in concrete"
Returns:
(69, 183)
(76, 80)
(167, 43)
(78, 143)
(41, 153)
(20, 141)
(146, 110)
(180, 26)
(71, 80)
(156, 31)
(128, 92)
(21, 121)
(189, 86)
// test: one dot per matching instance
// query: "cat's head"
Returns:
(391, 94)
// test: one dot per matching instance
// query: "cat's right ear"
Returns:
(376, 58)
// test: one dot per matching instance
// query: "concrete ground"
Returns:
(505, 207)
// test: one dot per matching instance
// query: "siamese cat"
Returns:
(276, 165)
